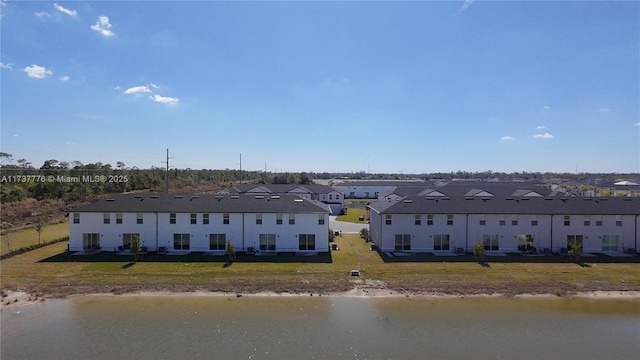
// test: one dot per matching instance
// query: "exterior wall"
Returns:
(241, 230)
(363, 191)
(550, 231)
(592, 234)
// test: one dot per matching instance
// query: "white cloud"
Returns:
(466, 5)
(543, 136)
(64, 78)
(6, 66)
(38, 72)
(163, 99)
(43, 15)
(137, 90)
(638, 124)
(604, 110)
(64, 10)
(540, 127)
(506, 138)
(154, 86)
(546, 107)
(103, 26)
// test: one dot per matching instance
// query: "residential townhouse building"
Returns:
(186, 223)
(505, 224)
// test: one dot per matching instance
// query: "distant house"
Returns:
(370, 189)
(447, 224)
(323, 193)
(185, 223)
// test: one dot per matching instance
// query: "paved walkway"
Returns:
(346, 227)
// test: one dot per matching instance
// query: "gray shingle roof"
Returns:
(167, 203)
(509, 205)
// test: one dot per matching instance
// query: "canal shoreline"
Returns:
(18, 298)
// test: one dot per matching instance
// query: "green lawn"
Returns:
(49, 270)
(353, 215)
(23, 238)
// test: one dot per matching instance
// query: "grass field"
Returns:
(51, 271)
(26, 237)
(353, 215)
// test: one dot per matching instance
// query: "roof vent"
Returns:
(195, 197)
(111, 199)
(154, 196)
(235, 196)
(408, 201)
(298, 200)
(259, 197)
(137, 197)
(428, 198)
(178, 197)
(468, 198)
(446, 198)
(275, 196)
(509, 198)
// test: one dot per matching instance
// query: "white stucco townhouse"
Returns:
(186, 223)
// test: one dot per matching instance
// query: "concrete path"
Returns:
(346, 227)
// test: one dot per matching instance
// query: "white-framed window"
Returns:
(618, 220)
(429, 219)
(320, 219)
(292, 219)
(403, 242)
(127, 239)
(417, 220)
(482, 221)
(574, 239)
(587, 220)
(217, 241)
(503, 220)
(514, 220)
(106, 218)
(91, 241)
(387, 219)
(181, 241)
(172, 218)
(491, 242)
(267, 242)
(441, 242)
(534, 220)
(258, 219)
(76, 218)
(139, 218)
(225, 219)
(609, 242)
(205, 219)
(598, 220)
(306, 241)
(278, 219)
(119, 218)
(449, 219)
(194, 218)
(526, 242)
(567, 220)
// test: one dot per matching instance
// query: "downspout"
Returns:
(466, 240)
(551, 242)
(635, 244)
(156, 231)
(243, 249)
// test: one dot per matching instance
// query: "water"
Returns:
(192, 327)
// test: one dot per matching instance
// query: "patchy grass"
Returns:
(49, 270)
(353, 215)
(23, 238)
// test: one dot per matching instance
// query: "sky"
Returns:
(380, 87)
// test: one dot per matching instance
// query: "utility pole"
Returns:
(167, 175)
(240, 168)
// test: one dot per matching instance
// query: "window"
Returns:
(258, 219)
(127, 240)
(587, 220)
(417, 220)
(320, 219)
(490, 242)
(205, 219)
(225, 219)
(76, 218)
(181, 241)
(139, 218)
(278, 219)
(525, 243)
(330, 197)
(118, 218)
(609, 242)
(618, 220)
(307, 242)
(387, 219)
(534, 220)
(292, 219)
(267, 242)
(217, 242)
(503, 220)
(514, 220)
(567, 220)
(482, 221)
(403, 242)
(573, 240)
(194, 219)
(429, 219)
(91, 241)
(449, 219)
(106, 218)
(441, 242)
(599, 220)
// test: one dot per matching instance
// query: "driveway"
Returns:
(346, 227)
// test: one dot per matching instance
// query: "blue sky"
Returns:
(416, 87)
